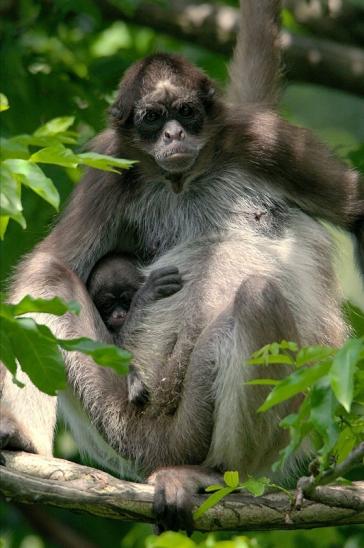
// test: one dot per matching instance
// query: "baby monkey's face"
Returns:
(113, 304)
(112, 286)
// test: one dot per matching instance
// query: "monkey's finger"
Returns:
(167, 290)
(171, 519)
(184, 511)
(168, 278)
(166, 270)
(159, 507)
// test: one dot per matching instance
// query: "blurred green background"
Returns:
(61, 58)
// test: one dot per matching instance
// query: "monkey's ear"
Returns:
(122, 108)
(207, 91)
(129, 91)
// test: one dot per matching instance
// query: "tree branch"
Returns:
(33, 479)
(214, 26)
(340, 21)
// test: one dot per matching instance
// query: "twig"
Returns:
(311, 487)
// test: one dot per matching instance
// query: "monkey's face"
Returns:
(170, 129)
(165, 109)
(113, 303)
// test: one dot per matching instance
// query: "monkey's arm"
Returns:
(255, 68)
(73, 246)
(304, 170)
(161, 283)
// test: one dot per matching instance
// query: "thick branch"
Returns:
(341, 21)
(214, 27)
(33, 479)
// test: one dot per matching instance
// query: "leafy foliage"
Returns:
(37, 350)
(178, 540)
(332, 384)
(255, 486)
(19, 166)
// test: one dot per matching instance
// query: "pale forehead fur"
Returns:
(166, 92)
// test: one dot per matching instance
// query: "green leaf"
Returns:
(256, 486)
(103, 354)
(101, 161)
(343, 370)
(212, 501)
(6, 351)
(168, 539)
(313, 354)
(36, 349)
(212, 488)
(263, 382)
(10, 192)
(355, 316)
(322, 415)
(51, 306)
(10, 148)
(56, 154)
(4, 103)
(271, 360)
(67, 137)
(4, 221)
(232, 479)
(55, 126)
(33, 177)
(295, 383)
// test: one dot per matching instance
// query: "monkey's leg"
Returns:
(27, 416)
(242, 440)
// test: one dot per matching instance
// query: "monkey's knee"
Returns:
(12, 436)
(263, 310)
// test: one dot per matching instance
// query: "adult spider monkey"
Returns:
(225, 192)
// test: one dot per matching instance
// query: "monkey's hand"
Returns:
(161, 283)
(175, 487)
(12, 436)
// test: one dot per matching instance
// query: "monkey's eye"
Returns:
(151, 116)
(186, 111)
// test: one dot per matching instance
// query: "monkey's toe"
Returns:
(172, 504)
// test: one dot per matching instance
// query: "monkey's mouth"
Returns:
(177, 160)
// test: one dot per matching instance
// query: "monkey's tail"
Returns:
(255, 69)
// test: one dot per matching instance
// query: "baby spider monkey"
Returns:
(121, 293)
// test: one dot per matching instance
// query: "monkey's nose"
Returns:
(177, 136)
(173, 132)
